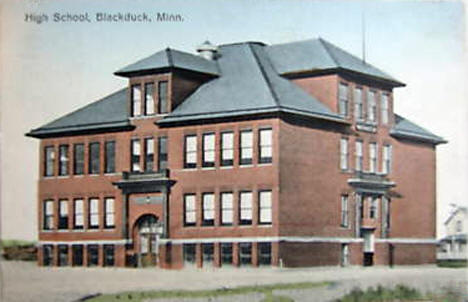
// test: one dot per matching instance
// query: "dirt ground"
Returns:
(24, 281)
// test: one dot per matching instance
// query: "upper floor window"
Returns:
(149, 154)
(109, 157)
(358, 107)
(246, 147)
(149, 100)
(371, 106)
(63, 160)
(136, 153)
(136, 100)
(372, 157)
(94, 160)
(208, 150)
(227, 208)
(79, 214)
(386, 159)
(264, 216)
(162, 97)
(265, 146)
(344, 211)
(344, 153)
(78, 159)
(48, 215)
(245, 208)
(208, 209)
(190, 151)
(359, 156)
(459, 226)
(162, 153)
(384, 108)
(93, 217)
(190, 217)
(343, 99)
(373, 209)
(49, 155)
(109, 218)
(63, 214)
(227, 148)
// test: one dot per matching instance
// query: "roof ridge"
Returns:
(265, 76)
(327, 49)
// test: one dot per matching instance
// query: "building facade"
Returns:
(244, 155)
(453, 245)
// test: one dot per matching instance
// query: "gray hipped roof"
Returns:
(248, 85)
(403, 128)
(170, 58)
(109, 112)
(319, 55)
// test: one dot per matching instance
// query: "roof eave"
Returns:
(417, 137)
(78, 130)
(141, 72)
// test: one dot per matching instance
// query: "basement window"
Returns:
(245, 253)
(77, 254)
(208, 252)
(93, 254)
(189, 251)
(109, 255)
(62, 255)
(226, 253)
(264, 253)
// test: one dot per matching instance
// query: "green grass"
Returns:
(398, 293)
(14, 242)
(452, 263)
(264, 289)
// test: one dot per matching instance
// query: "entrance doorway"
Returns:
(148, 233)
(368, 259)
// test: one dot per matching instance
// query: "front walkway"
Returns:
(24, 281)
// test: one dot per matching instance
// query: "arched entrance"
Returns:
(146, 236)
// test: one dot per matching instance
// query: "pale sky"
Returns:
(52, 68)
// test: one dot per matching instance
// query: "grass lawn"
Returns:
(264, 289)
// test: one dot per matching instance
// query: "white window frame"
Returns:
(345, 211)
(135, 153)
(208, 206)
(265, 207)
(149, 99)
(227, 148)
(209, 145)
(371, 106)
(386, 159)
(343, 99)
(373, 152)
(384, 108)
(78, 216)
(265, 145)
(358, 104)
(245, 207)
(344, 153)
(63, 213)
(93, 213)
(246, 147)
(48, 215)
(190, 209)
(227, 208)
(109, 210)
(359, 155)
(190, 151)
(136, 99)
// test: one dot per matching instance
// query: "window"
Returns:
(136, 152)
(47, 255)
(343, 99)
(109, 255)
(344, 254)
(245, 208)
(265, 146)
(387, 159)
(78, 159)
(373, 209)
(384, 108)
(162, 97)
(373, 157)
(93, 213)
(49, 154)
(344, 154)
(246, 147)
(264, 253)
(190, 151)
(190, 216)
(264, 198)
(344, 211)
(227, 148)
(385, 216)
(94, 162)
(93, 254)
(371, 106)
(189, 251)
(162, 153)
(48, 213)
(149, 154)
(207, 253)
(245, 253)
(63, 214)
(109, 157)
(149, 101)
(62, 255)
(359, 156)
(77, 255)
(63, 160)
(136, 100)
(109, 219)
(226, 253)
(358, 108)
(459, 226)
(208, 150)
(78, 209)
(227, 208)
(208, 209)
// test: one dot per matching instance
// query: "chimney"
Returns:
(208, 50)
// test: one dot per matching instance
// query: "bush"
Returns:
(18, 250)
(400, 292)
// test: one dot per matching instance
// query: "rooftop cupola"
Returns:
(208, 50)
